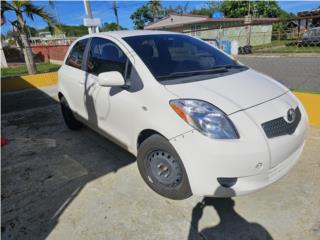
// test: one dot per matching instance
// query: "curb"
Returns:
(10, 84)
(311, 103)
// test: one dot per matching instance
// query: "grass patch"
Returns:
(283, 46)
(294, 49)
(275, 43)
(22, 70)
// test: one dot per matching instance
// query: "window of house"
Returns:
(76, 54)
(105, 56)
(195, 30)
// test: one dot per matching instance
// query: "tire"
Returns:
(162, 169)
(240, 50)
(246, 49)
(68, 116)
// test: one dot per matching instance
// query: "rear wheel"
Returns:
(68, 116)
(162, 169)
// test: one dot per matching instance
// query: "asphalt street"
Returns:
(295, 72)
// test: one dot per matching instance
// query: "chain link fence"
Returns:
(293, 35)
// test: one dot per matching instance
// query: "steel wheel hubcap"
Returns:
(164, 168)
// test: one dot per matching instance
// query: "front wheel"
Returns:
(162, 169)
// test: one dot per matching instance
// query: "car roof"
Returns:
(130, 33)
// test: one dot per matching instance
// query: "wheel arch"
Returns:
(146, 133)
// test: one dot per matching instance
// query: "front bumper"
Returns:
(254, 160)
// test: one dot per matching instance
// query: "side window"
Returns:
(105, 56)
(76, 54)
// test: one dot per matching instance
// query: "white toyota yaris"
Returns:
(198, 121)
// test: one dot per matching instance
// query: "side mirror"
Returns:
(110, 79)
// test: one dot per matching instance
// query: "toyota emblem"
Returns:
(291, 115)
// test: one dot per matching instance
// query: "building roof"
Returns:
(307, 13)
(176, 20)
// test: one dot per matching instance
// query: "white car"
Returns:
(198, 121)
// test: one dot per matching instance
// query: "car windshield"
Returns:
(175, 56)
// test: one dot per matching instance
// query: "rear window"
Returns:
(76, 54)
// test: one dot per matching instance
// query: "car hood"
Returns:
(231, 93)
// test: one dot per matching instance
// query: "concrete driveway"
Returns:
(62, 184)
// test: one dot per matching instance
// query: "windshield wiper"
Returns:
(192, 73)
(229, 66)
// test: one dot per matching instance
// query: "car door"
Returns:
(74, 77)
(108, 107)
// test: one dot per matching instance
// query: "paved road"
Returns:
(62, 184)
(28, 99)
(301, 73)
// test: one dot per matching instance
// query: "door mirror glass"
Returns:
(110, 79)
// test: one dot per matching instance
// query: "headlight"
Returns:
(206, 118)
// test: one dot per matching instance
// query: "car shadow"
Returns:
(45, 166)
(231, 226)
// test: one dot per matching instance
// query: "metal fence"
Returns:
(293, 35)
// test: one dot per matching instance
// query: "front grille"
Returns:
(279, 126)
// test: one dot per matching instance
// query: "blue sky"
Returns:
(72, 12)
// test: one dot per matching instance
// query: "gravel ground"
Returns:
(302, 73)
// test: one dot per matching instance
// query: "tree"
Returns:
(24, 9)
(70, 30)
(147, 13)
(257, 8)
(210, 7)
(177, 9)
(111, 27)
(155, 9)
(141, 17)
(32, 31)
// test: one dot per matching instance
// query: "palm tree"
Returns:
(155, 8)
(26, 9)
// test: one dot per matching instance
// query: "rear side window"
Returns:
(76, 54)
(105, 56)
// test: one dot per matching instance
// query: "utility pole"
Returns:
(87, 8)
(115, 10)
(249, 21)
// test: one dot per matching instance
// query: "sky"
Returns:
(72, 12)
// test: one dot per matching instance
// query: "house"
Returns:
(305, 20)
(47, 37)
(253, 31)
(313, 14)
